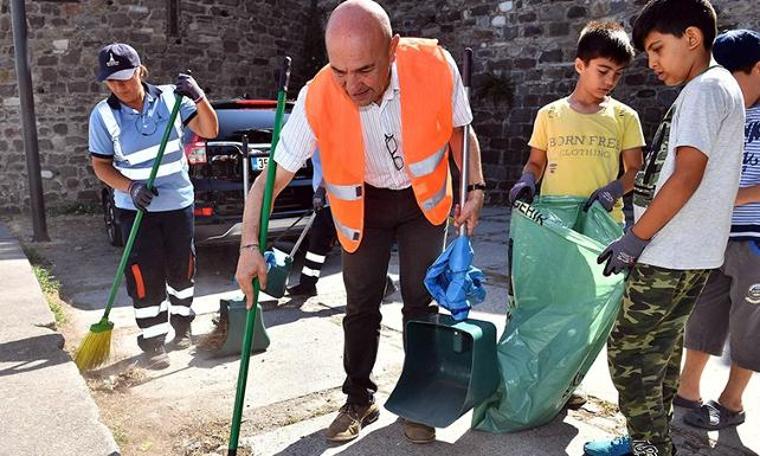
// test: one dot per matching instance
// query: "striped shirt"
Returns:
(746, 218)
(297, 141)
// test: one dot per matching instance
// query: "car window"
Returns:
(232, 121)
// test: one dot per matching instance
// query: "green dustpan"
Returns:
(232, 313)
(450, 367)
(278, 273)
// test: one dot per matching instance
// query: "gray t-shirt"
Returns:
(709, 116)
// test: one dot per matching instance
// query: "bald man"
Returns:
(385, 113)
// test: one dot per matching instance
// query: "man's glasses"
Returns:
(392, 145)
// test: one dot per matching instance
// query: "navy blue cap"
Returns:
(117, 61)
(737, 49)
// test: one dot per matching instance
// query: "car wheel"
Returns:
(113, 228)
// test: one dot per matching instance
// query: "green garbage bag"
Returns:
(562, 309)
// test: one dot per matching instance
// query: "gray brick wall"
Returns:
(523, 50)
(232, 46)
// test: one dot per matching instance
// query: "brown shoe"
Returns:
(351, 418)
(156, 359)
(183, 340)
(418, 432)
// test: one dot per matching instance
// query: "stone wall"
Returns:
(523, 59)
(232, 46)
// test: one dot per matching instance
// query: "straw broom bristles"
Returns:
(96, 346)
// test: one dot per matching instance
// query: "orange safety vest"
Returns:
(426, 87)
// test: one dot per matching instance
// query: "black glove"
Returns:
(186, 86)
(141, 195)
(606, 195)
(622, 254)
(319, 200)
(524, 189)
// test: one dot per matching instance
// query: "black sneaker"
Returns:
(302, 290)
(156, 359)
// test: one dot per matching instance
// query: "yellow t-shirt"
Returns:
(583, 150)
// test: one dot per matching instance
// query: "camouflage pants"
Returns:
(645, 348)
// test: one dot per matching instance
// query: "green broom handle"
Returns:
(245, 353)
(138, 218)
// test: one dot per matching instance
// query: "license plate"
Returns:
(259, 163)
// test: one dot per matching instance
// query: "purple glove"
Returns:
(186, 86)
(141, 195)
(524, 189)
(606, 195)
(622, 254)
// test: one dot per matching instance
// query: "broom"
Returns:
(245, 352)
(96, 346)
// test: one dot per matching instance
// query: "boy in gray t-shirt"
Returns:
(683, 198)
(729, 306)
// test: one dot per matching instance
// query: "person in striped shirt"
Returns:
(125, 132)
(730, 302)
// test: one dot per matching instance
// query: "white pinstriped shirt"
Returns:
(297, 142)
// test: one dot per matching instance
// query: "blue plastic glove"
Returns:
(141, 195)
(524, 189)
(622, 254)
(606, 195)
(188, 87)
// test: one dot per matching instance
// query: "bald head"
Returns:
(361, 46)
(358, 18)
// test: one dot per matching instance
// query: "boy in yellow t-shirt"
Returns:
(578, 140)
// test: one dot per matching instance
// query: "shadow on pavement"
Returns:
(32, 353)
(549, 440)
(728, 442)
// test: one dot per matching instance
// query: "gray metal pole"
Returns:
(28, 119)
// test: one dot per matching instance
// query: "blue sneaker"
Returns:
(619, 446)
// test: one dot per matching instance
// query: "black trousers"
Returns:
(389, 215)
(321, 239)
(162, 263)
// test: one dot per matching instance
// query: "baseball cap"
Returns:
(737, 49)
(117, 61)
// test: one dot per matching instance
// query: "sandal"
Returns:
(713, 416)
(680, 401)
(576, 401)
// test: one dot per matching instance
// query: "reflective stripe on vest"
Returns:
(168, 97)
(345, 192)
(430, 203)
(106, 113)
(428, 165)
(150, 153)
(350, 233)
(165, 169)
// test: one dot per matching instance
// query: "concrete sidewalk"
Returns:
(45, 405)
(293, 388)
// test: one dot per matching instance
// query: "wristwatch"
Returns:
(480, 186)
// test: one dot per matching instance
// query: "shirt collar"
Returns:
(151, 92)
(394, 87)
